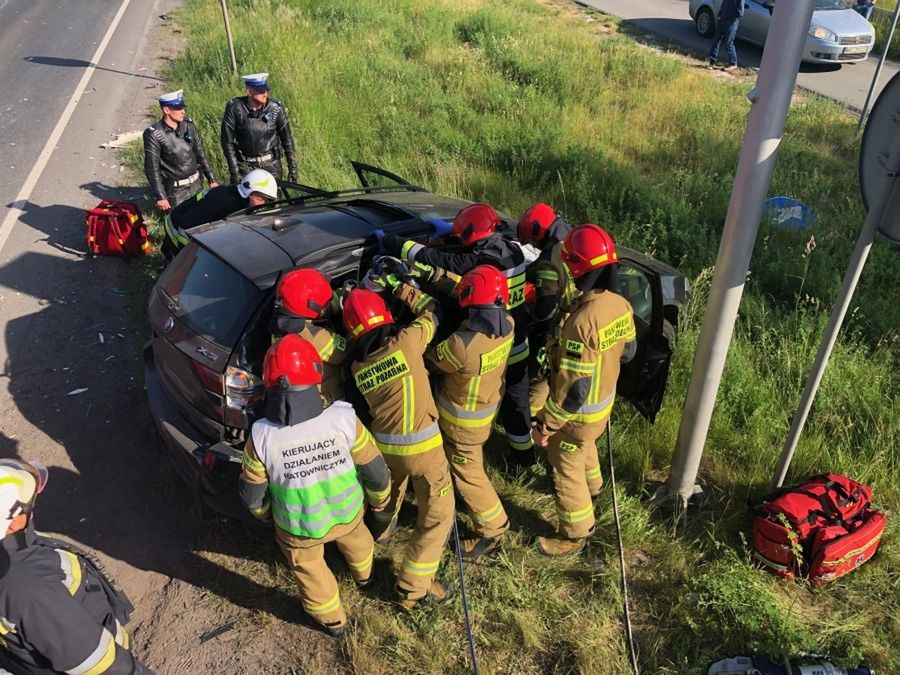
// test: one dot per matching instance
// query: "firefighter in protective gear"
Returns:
(174, 158)
(302, 468)
(584, 366)
(257, 187)
(472, 361)
(302, 301)
(388, 369)
(60, 614)
(475, 226)
(256, 132)
(541, 227)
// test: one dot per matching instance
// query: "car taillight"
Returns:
(242, 388)
(211, 380)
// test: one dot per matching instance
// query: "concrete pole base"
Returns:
(674, 503)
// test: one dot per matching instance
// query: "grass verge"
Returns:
(512, 101)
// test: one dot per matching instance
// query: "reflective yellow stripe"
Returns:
(467, 422)
(412, 448)
(519, 353)
(327, 349)
(330, 606)
(550, 275)
(262, 512)
(408, 405)
(409, 250)
(364, 564)
(427, 326)
(361, 440)
(516, 290)
(472, 396)
(594, 416)
(422, 303)
(523, 442)
(577, 366)
(99, 660)
(420, 569)
(592, 473)
(560, 414)
(253, 465)
(575, 516)
(445, 352)
(490, 514)
(71, 568)
(379, 495)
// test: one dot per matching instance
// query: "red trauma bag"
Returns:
(117, 228)
(823, 528)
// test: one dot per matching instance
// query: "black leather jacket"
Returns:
(254, 133)
(173, 154)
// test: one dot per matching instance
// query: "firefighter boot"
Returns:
(438, 593)
(478, 546)
(335, 630)
(558, 545)
(382, 530)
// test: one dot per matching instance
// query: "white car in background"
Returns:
(837, 33)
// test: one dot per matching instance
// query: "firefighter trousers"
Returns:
(572, 453)
(489, 518)
(429, 475)
(515, 414)
(318, 587)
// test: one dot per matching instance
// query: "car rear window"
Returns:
(213, 299)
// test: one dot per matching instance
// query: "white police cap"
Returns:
(257, 81)
(173, 98)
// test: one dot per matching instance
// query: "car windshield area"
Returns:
(213, 299)
(833, 4)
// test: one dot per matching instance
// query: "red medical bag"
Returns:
(117, 228)
(821, 529)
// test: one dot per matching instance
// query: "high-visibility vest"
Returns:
(313, 485)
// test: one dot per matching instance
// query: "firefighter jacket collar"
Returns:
(557, 231)
(490, 320)
(284, 323)
(293, 407)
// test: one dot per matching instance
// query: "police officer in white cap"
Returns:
(174, 156)
(256, 132)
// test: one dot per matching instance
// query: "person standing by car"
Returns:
(173, 155)
(256, 132)
(388, 368)
(302, 299)
(598, 334)
(729, 17)
(302, 468)
(472, 361)
(475, 226)
(60, 614)
(865, 7)
(256, 188)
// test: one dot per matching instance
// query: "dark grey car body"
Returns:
(209, 313)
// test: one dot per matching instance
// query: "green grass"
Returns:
(881, 19)
(513, 101)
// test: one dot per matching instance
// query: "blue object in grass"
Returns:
(788, 213)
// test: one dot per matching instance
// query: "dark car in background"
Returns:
(209, 312)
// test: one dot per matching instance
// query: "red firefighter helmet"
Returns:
(365, 310)
(291, 362)
(535, 222)
(588, 247)
(483, 285)
(304, 292)
(475, 222)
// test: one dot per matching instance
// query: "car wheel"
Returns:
(705, 22)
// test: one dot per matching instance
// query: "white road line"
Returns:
(18, 206)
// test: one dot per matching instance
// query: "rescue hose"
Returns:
(465, 602)
(629, 636)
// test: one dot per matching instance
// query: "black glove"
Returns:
(292, 178)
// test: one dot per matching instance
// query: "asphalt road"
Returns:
(847, 83)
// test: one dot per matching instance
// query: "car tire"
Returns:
(705, 22)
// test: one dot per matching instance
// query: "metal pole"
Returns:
(887, 44)
(887, 206)
(465, 603)
(771, 99)
(230, 40)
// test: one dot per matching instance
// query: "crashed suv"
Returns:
(210, 310)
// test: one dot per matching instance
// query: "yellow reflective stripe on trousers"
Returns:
(99, 660)
(523, 442)
(363, 564)
(174, 233)
(420, 569)
(575, 516)
(330, 606)
(490, 514)
(71, 569)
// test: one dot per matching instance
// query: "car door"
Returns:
(642, 381)
(373, 176)
(754, 25)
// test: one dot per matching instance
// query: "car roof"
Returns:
(260, 244)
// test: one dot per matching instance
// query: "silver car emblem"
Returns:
(168, 324)
(208, 354)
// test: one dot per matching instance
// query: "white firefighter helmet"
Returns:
(20, 482)
(258, 180)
